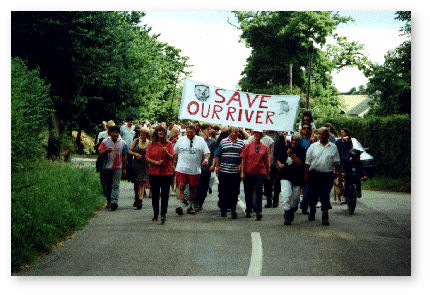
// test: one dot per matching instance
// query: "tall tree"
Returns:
(101, 65)
(278, 38)
(390, 83)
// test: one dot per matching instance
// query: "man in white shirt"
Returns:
(322, 160)
(190, 150)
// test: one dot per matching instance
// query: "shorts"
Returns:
(192, 180)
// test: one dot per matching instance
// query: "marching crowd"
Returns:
(297, 168)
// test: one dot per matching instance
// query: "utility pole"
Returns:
(311, 51)
(291, 77)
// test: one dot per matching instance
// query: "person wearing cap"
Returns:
(114, 165)
(291, 164)
(255, 168)
(140, 166)
(190, 150)
(322, 160)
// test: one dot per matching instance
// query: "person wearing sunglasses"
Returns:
(255, 169)
(189, 150)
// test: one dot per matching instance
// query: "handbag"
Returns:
(99, 162)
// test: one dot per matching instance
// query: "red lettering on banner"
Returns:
(209, 109)
(215, 112)
(258, 117)
(268, 115)
(263, 100)
(240, 115)
(250, 117)
(197, 107)
(223, 98)
(249, 102)
(235, 97)
(230, 110)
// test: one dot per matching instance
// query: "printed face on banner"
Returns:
(284, 107)
(213, 104)
(202, 92)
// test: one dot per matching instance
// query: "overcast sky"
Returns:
(218, 58)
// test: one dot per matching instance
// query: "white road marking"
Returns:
(256, 263)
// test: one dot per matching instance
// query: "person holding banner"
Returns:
(228, 167)
(189, 150)
(255, 168)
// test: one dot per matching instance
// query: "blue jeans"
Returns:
(253, 185)
(113, 179)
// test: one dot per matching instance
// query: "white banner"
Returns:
(212, 104)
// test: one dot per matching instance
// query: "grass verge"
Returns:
(382, 183)
(49, 203)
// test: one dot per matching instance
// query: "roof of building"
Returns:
(348, 102)
(361, 107)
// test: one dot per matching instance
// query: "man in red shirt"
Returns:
(255, 169)
(114, 165)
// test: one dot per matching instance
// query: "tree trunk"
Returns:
(78, 142)
(54, 145)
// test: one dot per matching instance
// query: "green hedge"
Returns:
(388, 138)
(30, 112)
(49, 203)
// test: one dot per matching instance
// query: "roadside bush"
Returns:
(48, 204)
(388, 138)
(30, 110)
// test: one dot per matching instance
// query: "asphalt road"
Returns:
(375, 241)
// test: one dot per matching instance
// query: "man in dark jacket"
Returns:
(352, 170)
(291, 164)
(272, 187)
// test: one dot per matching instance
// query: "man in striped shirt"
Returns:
(227, 164)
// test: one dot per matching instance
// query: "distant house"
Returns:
(354, 105)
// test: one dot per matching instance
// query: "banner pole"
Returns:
(173, 97)
(311, 49)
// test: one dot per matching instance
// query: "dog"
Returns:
(338, 188)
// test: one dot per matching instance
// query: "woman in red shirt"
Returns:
(255, 168)
(160, 155)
